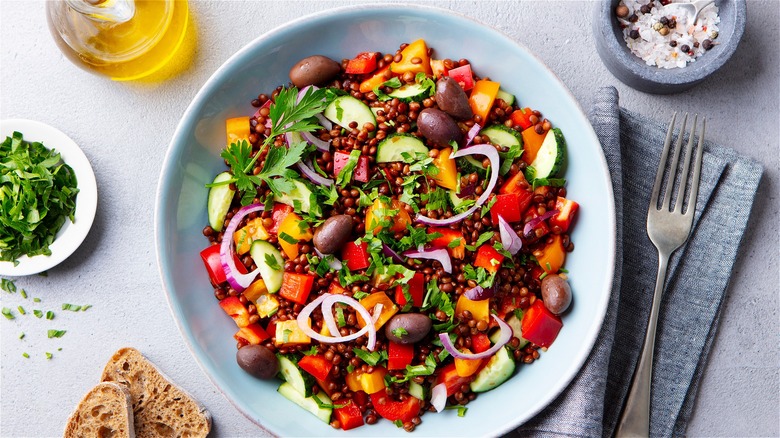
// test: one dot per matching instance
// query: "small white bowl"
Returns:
(71, 234)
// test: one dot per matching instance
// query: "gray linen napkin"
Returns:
(698, 275)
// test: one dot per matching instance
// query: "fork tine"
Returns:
(661, 165)
(678, 204)
(673, 167)
(695, 178)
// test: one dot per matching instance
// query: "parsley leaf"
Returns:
(345, 174)
(272, 263)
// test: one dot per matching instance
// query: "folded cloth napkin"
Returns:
(698, 275)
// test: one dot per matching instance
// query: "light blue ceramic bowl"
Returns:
(193, 160)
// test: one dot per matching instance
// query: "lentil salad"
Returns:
(423, 200)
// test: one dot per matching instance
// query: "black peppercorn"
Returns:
(673, 43)
(645, 9)
(707, 44)
(696, 44)
(634, 34)
(664, 21)
(633, 18)
(685, 48)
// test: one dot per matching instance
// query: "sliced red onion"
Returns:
(439, 396)
(237, 280)
(482, 149)
(467, 190)
(327, 124)
(332, 261)
(303, 91)
(310, 138)
(308, 172)
(478, 293)
(509, 237)
(440, 254)
(537, 220)
(472, 133)
(327, 313)
(267, 104)
(506, 335)
(394, 256)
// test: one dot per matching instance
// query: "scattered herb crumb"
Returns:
(37, 313)
(49, 355)
(59, 349)
(26, 356)
(8, 285)
(36, 300)
(8, 313)
(50, 315)
(86, 307)
(21, 310)
(21, 335)
(23, 293)
(75, 308)
(56, 333)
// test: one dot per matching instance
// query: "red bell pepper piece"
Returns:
(356, 256)
(567, 209)
(335, 288)
(539, 325)
(296, 287)
(396, 410)
(363, 63)
(463, 76)
(416, 290)
(488, 258)
(507, 206)
(233, 307)
(360, 398)
(517, 183)
(452, 381)
(349, 415)
(522, 118)
(506, 305)
(479, 343)
(399, 355)
(316, 365)
(253, 334)
(279, 212)
(360, 173)
(213, 264)
(448, 236)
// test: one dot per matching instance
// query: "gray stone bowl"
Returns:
(632, 70)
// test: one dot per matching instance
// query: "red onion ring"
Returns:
(439, 396)
(509, 238)
(327, 124)
(394, 256)
(303, 321)
(237, 280)
(492, 155)
(310, 138)
(327, 313)
(333, 262)
(537, 220)
(440, 254)
(472, 133)
(506, 335)
(308, 172)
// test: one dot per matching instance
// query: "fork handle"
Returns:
(635, 419)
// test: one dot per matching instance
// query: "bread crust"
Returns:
(105, 410)
(160, 408)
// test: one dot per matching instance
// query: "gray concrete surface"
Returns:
(124, 129)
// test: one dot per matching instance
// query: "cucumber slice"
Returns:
(297, 198)
(503, 136)
(410, 93)
(474, 162)
(498, 369)
(309, 403)
(346, 109)
(391, 148)
(416, 390)
(260, 251)
(506, 97)
(219, 201)
(517, 331)
(301, 382)
(456, 200)
(551, 155)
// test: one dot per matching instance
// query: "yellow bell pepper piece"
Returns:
(553, 255)
(237, 129)
(480, 310)
(373, 382)
(293, 226)
(353, 381)
(389, 308)
(437, 68)
(379, 212)
(414, 58)
(255, 290)
(288, 333)
(448, 172)
(467, 367)
(265, 303)
(253, 230)
(482, 97)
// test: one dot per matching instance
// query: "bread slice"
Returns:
(104, 412)
(160, 408)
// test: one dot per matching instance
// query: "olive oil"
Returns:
(122, 39)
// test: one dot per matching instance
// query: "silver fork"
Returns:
(668, 230)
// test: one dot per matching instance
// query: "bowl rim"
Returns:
(163, 186)
(615, 45)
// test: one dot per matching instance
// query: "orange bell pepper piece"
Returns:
(353, 381)
(291, 230)
(377, 79)
(480, 310)
(532, 142)
(373, 382)
(553, 255)
(253, 230)
(482, 97)
(296, 287)
(448, 171)
(467, 367)
(237, 129)
(414, 58)
(379, 212)
(389, 308)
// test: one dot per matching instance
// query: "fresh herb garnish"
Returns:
(345, 174)
(25, 355)
(484, 237)
(400, 332)
(340, 317)
(37, 194)
(49, 315)
(38, 313)
(8, 313)
(56, 333)
(372, 358)
(21, 310)
(272, 263)
(8, 285)
(49, 355)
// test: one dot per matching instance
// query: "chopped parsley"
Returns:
(400, 332)
(8, 313)
(373, 358)
(7, 285)
(345, 174)
(55, 333)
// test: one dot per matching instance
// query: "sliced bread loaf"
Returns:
(160, 408)
(104, 412)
